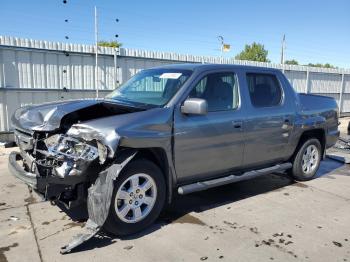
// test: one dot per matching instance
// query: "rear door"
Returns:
(269, 122)
(206, 145)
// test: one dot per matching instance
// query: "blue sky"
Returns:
(316, 31)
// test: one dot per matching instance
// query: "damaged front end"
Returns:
(61, 159)
(75, 168)
(71, 152)
(61, 167)
(58, 158)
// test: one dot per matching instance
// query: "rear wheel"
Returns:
(307, 160)
(138, 198)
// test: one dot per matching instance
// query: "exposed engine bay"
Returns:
(60, 163)
(68, 158)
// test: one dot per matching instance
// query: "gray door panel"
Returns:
(267, 136)
(209, 144)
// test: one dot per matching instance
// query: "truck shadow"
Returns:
(199, 202)
(179, 211)
(224, 195)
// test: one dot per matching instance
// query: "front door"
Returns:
(207, 145)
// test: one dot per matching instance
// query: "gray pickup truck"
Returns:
(177, 128)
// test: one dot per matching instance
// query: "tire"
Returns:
(145, 170)
(305, 163)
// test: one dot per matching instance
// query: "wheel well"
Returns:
(315, 133)
(158, 156)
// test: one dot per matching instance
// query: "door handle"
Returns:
(286, 124)
(237, 124)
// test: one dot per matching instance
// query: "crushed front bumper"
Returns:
(71, 188)
(29, 178)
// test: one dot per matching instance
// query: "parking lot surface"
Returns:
(270, 218)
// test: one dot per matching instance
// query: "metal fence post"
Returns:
(342, 87)
(307, 84)
(2, 68)
(115, 68)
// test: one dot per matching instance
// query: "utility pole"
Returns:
(115, 62)
(283, 48)
(96, 50)
(115, 67)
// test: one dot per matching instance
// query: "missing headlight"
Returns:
(102, 152)
(71, 148)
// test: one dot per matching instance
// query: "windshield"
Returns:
(152, 88)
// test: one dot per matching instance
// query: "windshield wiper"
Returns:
(131, 103)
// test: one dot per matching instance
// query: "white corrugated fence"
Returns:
(33, 71)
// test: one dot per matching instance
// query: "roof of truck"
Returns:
(205, 67)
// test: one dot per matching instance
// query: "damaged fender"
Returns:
(88, 133)
(99, 201)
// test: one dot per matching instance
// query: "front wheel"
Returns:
(307, 160)
(138, 198)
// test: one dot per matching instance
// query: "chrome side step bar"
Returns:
(204, 185)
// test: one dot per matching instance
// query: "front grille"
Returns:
(24, 140)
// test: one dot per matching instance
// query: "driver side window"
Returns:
(220, 90)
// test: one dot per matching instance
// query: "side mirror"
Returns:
(195, 106)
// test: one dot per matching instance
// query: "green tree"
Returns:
(254, 52)
(291, 62)
(113, 44)
(326, 65)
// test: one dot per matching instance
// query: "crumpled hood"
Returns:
(139, 128)
(106, 121)
(48, 116)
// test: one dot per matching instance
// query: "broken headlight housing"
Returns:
(71, 148)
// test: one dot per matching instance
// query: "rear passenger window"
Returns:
(264, 90)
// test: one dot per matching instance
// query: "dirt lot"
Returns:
(266, 219)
